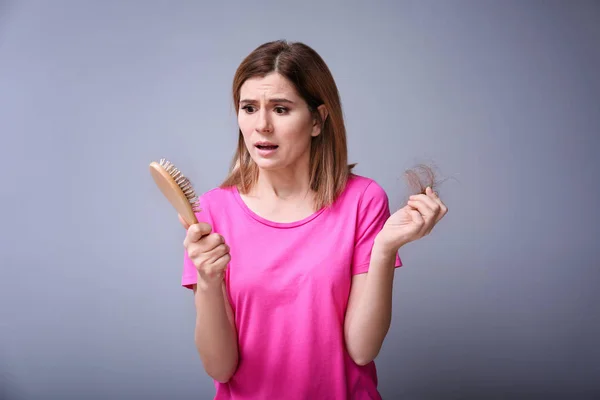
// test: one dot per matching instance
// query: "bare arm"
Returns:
(369, 311)
(215, 334)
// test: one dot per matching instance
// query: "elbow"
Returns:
(224, 378)
(221, 368)
(361, 353)
(362, 359)
(222, 374)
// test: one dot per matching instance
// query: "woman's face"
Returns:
(276, 123)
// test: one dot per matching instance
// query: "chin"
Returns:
(267, 165)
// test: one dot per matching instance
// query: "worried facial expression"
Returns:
(276, 123)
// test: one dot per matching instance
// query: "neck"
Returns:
(283, 184)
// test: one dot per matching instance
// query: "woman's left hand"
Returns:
(413, 221)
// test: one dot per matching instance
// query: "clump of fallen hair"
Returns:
(420, 177)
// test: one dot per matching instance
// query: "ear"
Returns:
(318, 125)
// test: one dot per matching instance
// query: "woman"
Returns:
(293, 259)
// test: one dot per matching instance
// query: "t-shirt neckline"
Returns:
(268, 222)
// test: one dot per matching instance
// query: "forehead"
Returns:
(271, 84)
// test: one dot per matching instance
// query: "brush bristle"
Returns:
(184, 183)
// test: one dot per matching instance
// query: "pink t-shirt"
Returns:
(288, 284)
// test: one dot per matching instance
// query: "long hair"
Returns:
(311, 78)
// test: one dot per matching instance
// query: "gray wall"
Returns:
(500, 302)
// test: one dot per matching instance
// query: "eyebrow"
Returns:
(274, 100)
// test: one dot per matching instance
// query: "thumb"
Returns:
(183, 223)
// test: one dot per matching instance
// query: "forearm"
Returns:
(370, 320)
(215, 334)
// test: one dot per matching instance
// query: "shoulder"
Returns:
(217, 195)
(362, 196)
(365, 190)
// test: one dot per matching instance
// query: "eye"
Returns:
(249, 108)
(281, 110)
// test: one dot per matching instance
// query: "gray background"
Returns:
(501, 301)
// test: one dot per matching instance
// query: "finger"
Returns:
(223, 261)
(215, 254)
(206, 244)
(197, 231)
(212, 241)
(423, 207)
(426, 213)
(431, 203)
(183, 223)
(443, 211)
(221, 264)
(218, 267)
(435, 206)
(443, 208)
(417, 218)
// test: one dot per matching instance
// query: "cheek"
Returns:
(241, 121)
(243, 124)
(295, 130)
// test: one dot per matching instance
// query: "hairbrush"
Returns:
(176, 188)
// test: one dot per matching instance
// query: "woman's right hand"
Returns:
(208, 251)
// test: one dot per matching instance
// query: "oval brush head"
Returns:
(176, 188)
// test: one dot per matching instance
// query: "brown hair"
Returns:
(310, 76)
(420, 177)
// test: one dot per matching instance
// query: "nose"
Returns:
(263, 123)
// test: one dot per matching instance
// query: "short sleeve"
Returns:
(189, 276)
(373, 212)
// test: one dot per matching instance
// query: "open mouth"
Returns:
(266, 146)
